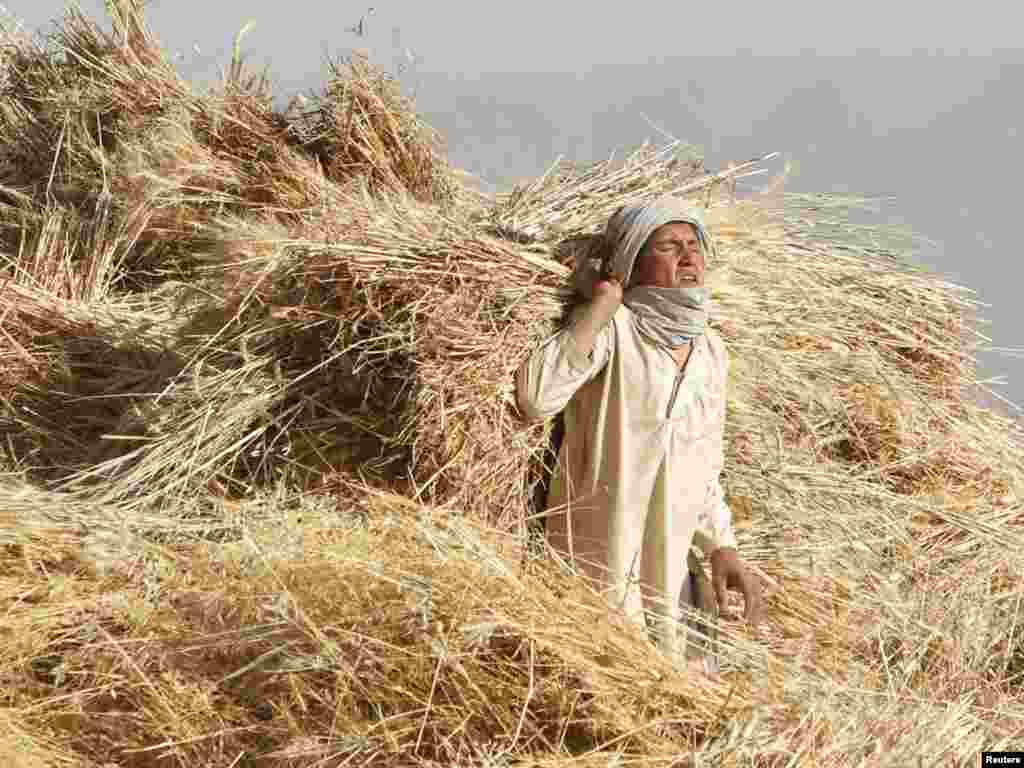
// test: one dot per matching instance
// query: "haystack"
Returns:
(267, 483)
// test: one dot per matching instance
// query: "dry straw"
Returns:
(267, 484)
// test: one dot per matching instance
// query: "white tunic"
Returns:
(638, 472)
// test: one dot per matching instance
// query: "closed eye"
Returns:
(670, 246)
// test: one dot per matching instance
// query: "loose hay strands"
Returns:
(268, 479)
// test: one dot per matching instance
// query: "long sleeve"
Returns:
(552, 374)
(714, 529)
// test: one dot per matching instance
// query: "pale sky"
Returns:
(915, 100)
(565, 35)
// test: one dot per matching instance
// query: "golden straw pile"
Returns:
(266, 487)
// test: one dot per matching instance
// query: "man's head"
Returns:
(655, 252)
(672, 257)
(658, 244)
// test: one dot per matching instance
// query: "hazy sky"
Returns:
(912, 100)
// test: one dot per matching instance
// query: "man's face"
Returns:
(671, 258)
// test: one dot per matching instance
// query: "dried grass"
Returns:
(267, 483)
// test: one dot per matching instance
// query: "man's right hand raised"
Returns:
(606, 300)
(608, 291)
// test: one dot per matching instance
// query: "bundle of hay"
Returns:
(267, 478)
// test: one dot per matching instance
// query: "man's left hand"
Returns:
(728, 572)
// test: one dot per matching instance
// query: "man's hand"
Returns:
(608, 291)
(728, 572)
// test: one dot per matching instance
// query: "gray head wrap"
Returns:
(669, 317)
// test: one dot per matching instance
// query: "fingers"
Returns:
(727, 572)
(751, 589)
(721, 594)
(610, 275)
(748, 585)
(708, 602)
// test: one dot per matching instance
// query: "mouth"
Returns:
(688, 278)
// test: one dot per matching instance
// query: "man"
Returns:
(640, 380)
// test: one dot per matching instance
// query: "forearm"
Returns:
(548, 379)
(589, 324)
